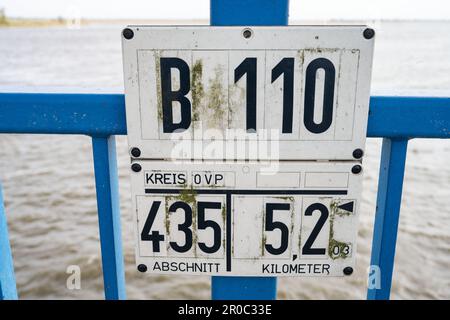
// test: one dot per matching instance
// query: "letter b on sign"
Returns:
(168, 95)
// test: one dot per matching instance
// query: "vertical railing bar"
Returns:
(106, 184)
(249, 12)
(389, 197)
(243, 288)
(8, 290)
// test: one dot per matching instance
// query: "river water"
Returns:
(50, 195)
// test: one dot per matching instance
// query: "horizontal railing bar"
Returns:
(409, 117)
(62, 113)
(104, 115)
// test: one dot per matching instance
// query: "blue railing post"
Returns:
(390, 183)
(247, 13)
(106, 184)
(8, 289)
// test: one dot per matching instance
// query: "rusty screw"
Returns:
(369, 33)
(136, 167)
(128, 33)
(356, 169)
(142, 268)
(348, 271)
(135, 152)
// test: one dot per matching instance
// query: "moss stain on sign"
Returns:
(158, 83)
(187, 195)
(197, 89)
(216, 98)
(224, 220)
(333, 243)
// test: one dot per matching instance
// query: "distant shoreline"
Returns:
(25, 22)
(38, 22)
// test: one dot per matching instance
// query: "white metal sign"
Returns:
(239, 219)
(305, 88)
(204, 98)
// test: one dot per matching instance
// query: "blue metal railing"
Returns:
(101, 116)
(7, 279)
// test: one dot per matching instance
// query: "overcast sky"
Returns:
(199, 9)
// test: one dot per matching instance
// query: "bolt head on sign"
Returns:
(227, 107)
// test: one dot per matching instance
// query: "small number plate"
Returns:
(305, 87)
(240, 219)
